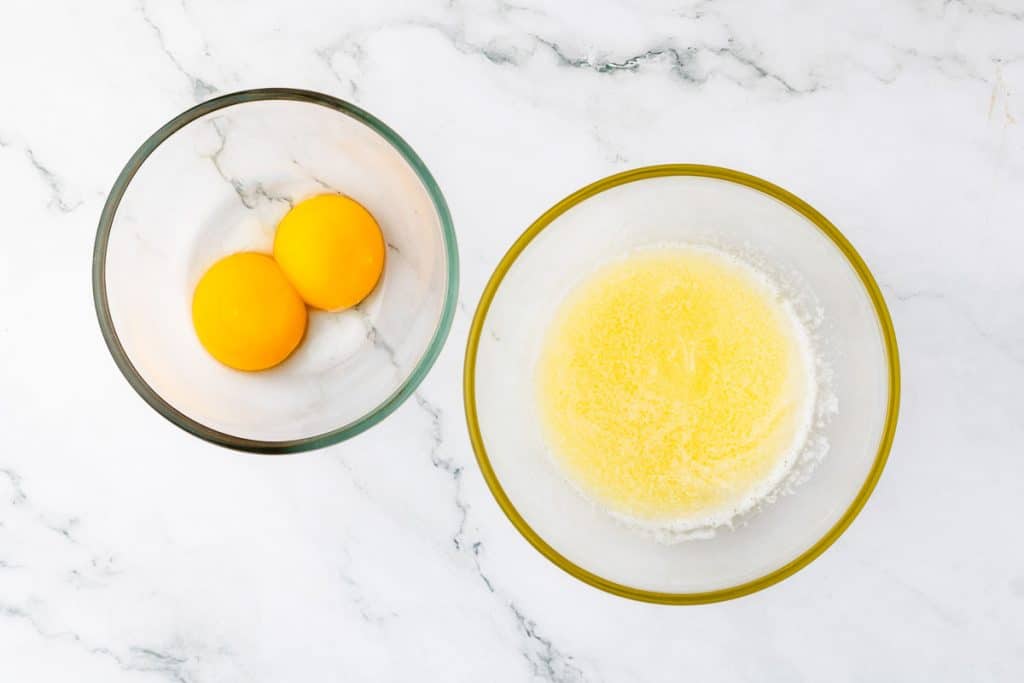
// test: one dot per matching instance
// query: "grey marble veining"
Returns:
(132, 552)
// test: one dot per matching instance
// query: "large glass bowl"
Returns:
(216, 180)
(715, 207)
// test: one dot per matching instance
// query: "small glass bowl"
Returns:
(820, 273)
(216, 180)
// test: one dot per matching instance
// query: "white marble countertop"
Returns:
(132, 552)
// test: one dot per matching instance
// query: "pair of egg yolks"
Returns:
(249, 309)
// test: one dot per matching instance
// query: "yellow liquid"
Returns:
(673, 384)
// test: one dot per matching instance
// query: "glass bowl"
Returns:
(216, 180)
(821, 274)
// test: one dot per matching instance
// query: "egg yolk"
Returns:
(332, 250)
(246, 313)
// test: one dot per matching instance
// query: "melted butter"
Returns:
(673, 383)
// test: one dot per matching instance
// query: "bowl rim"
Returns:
(882, 315)
(195, 427)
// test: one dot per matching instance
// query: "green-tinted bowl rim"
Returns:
(885, 440)
(170, 412)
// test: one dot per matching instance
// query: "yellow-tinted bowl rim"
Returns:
(884, 321)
